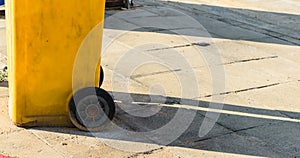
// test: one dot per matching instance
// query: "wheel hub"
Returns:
(92, 110)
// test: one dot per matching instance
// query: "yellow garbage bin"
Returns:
(48, 41)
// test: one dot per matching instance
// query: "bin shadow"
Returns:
(2, 13)
(239, 129)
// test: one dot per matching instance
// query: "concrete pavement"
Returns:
(164, 64)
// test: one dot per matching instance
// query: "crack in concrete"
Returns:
(235, 131)
(154, 73)
(145, 153)
(249, 60)
(240, 61)
(201, 44)
(242, 90)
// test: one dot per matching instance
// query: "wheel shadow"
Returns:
(239, 129)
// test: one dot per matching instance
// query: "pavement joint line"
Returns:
(156, 16)
(140, 83)
(154, 73)
(231, 129)
(179, 28)
(237, 131)
(201, 44)
(243, 90)
(46, 142)
(166, 48)
(221, 135)
(146, 152)
(247, 89)
(249, 60)
(240, 61)
(159, 30)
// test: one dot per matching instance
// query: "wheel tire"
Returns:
(126, 4)
(91, 109)
(101, 76)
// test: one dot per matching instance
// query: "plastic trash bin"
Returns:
(44, 39)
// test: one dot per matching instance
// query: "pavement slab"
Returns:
(161, 61)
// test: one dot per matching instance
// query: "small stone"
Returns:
(64, 144)
(202, 44)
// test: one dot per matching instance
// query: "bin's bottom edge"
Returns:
(45, 121)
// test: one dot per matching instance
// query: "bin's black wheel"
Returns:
(126, 4)
(101, 76)
(91, 109)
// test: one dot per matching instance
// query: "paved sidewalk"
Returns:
(167, 63)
